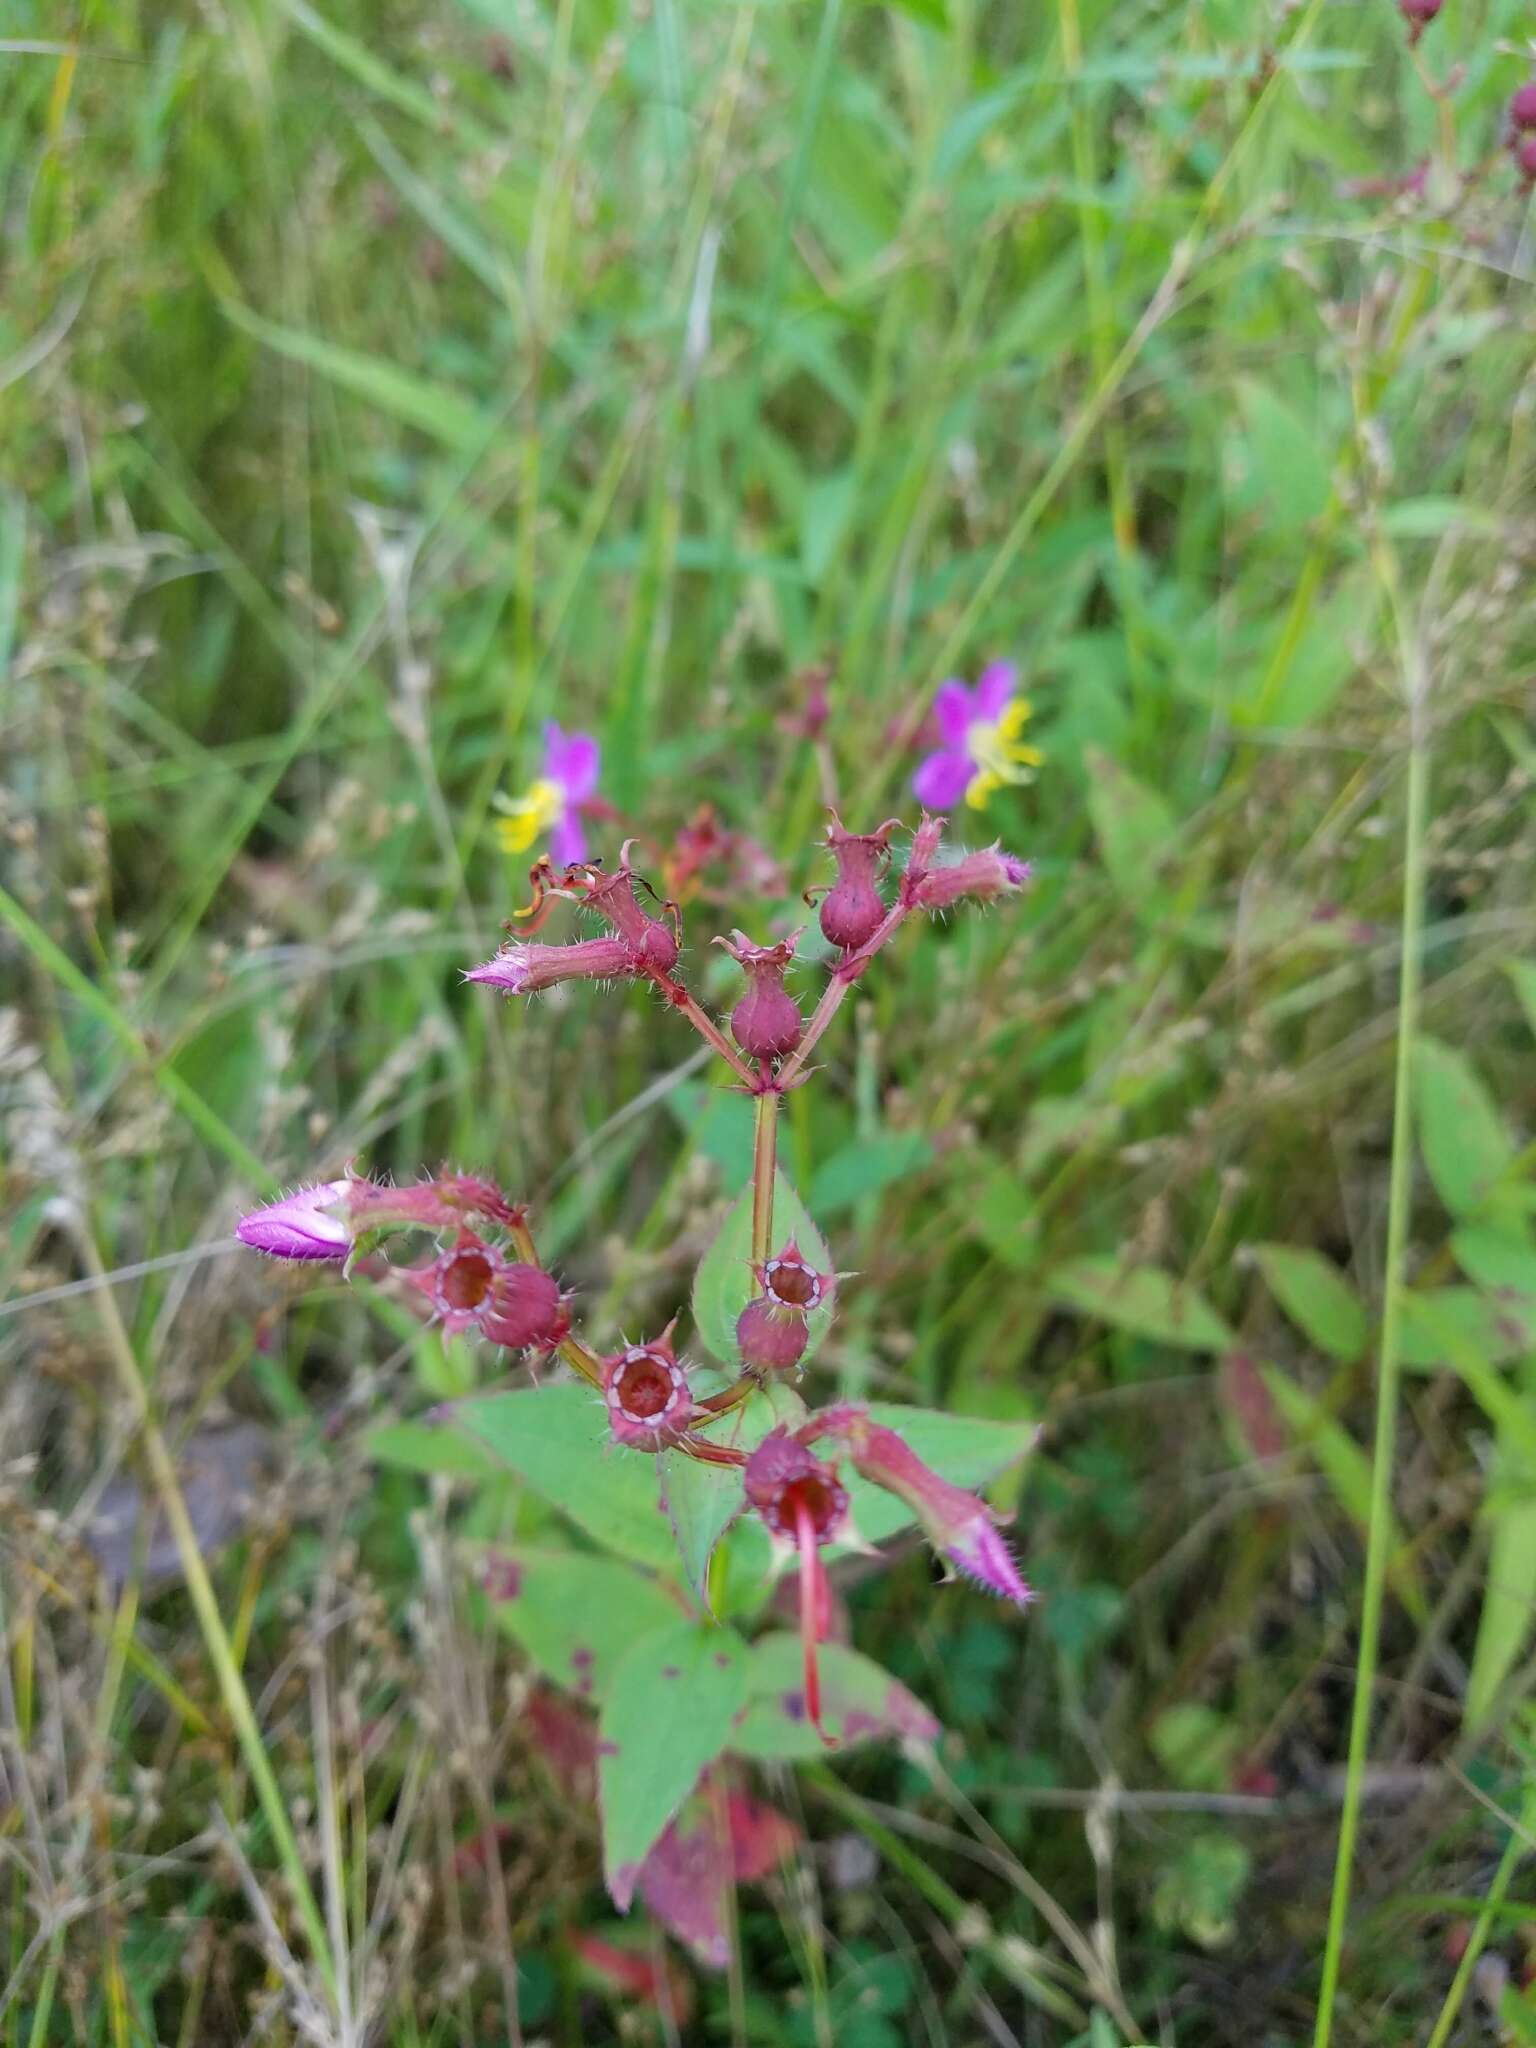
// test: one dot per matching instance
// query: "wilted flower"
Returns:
(766, 1022)
(552, 805)
(959, 1525)
(980, 876)
(652, 945)
(311, 1223)
(646, 1392)
(981, 749)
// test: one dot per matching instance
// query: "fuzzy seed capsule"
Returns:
(770, 1337)
(852, 908)
(766, 1022)
(523, 1307)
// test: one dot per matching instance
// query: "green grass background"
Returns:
(379, 380)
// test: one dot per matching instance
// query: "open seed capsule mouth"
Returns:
(464, 1281)
(792, 1281)
(646, 1386)
(824, 1500)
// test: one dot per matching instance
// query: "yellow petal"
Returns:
(980, 787)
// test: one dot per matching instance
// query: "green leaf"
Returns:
(427, 1447)
(576, 1616)
(1523, 974)
(1143, 1300)
(701, 1501)
(723, 1284)
(1135, 827)
(1497, 1257)
(829, 503)
(1288, 470)
(859, 1702)
(1464, 1143)
(1348, 1471)
(1195, 1745)
(668, 1714)
(556, 1440)
(378, 382)
(1509, 1602)
(1316, 1297)
(1435, 1319)
(865, 1167)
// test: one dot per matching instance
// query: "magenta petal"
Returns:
(943, 778)
(954, 712)
(567, 841)
(999, 682)
(572, 760)
(983, 1555)
(301, 1226)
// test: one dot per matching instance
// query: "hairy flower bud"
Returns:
(646, 1392)
(524, 969)
(979, 876)
(852, 908)
(524, 1307)
(766, 1022)
(769, 1336)
(311, 1223)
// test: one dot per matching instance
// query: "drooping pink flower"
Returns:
(959, 1525)
(981, 750)
(552, 805)
(978, 876)
(524, 967)
(311, 1223)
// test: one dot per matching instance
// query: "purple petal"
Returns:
(954, 711)
(567, 841)
(301, 1226)
(999, 681)
(572, 760)
(942, 780)
(983, 1555)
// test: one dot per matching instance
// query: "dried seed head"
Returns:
(652, 945)
(524, 1307)
(852, 908)
(766, 1022)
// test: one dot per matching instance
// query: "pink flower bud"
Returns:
(524, 1307)
(442, 1203)
(1525, 158)
(980, 876)
(766, 1022)
(1522, 106)
(646, 1391)
(311, 1223)
(959, 1525)
(769, 1336)
(852, 908)
(523, 969)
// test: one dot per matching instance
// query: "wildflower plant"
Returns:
(699, 1468)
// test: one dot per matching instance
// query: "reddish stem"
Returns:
(705, 1025)
(844, 975)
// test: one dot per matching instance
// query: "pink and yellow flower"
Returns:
(982, 751)
(552, 805)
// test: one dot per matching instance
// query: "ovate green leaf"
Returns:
(576, 1616)
(723, 1284)
(1464, 1142)
(669, 1712)
(1316, 1297)
(859, 1701)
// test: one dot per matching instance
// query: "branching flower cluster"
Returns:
(485, 1275)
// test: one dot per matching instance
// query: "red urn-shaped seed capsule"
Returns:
(770, 1337)
(852, 908)
(766, 1022)
(1522, 107)
(463, 1278)
(1418, 14)
(790, 1279)
(646, 1393)
(524, 1307)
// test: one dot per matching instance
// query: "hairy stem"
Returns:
(765, 1164)
(844, 975)
(706, 1027)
